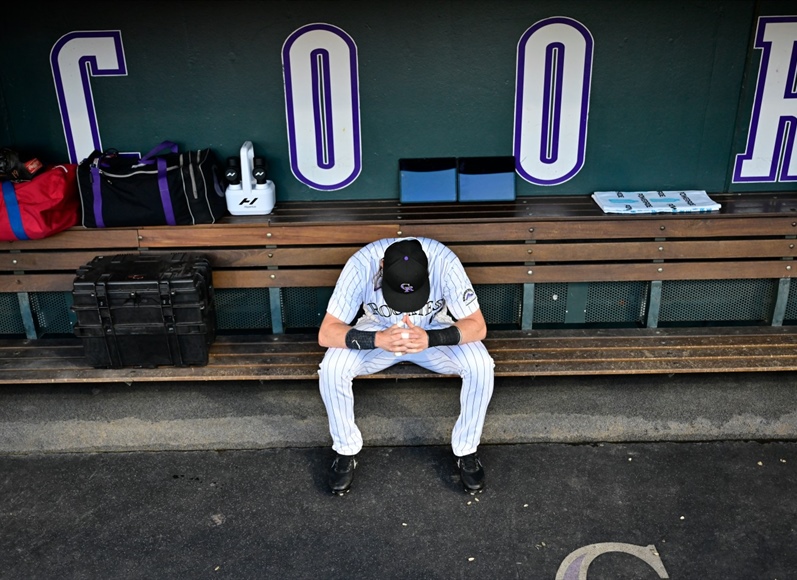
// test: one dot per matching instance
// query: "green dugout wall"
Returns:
(672, 97)
(670, 103)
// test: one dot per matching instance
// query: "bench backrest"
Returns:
(527, 242)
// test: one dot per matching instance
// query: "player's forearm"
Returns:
(333, 334)
(471, 330)
(340, 335)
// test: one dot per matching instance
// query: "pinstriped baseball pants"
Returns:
(471, 361)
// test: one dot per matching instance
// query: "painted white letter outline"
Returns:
(770, 154)
(322, 107)
(576, 565)
(74, 58)
(552, 91)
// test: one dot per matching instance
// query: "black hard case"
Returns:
(145, 310)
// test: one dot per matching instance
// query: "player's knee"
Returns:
(482, 360)
(477, 363)
(335, 366)
(325, 368)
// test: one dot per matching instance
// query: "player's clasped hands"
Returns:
(405, 339)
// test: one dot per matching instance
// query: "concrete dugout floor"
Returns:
(702, 510)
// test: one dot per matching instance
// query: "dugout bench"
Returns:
(566, 289)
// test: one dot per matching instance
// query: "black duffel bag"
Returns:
(164, 187)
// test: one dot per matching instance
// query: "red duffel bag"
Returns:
(45, 205)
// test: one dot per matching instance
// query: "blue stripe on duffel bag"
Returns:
(12, 209)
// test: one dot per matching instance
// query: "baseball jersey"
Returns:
(360, 285)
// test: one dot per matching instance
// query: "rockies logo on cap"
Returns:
(405, 278)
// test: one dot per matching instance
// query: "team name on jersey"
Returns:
(430, 309)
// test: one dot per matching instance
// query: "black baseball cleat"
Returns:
(471, 473)
(341, 474)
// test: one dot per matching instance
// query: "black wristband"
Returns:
(360, 339)
(444, 337)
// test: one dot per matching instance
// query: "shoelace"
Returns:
(470, 462)
(342, 464)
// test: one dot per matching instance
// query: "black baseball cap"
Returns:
(405, 276)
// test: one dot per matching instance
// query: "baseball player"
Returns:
(419, 306)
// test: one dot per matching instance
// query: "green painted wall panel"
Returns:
(670, 83)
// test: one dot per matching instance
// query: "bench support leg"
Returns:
(654, 304)
(276, 310)
(27, 316)
(781, 301)
(527, 317)
(577, 294)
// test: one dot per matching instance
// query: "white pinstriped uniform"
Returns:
(451, 294)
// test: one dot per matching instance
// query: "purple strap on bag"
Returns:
(150, 157)
(166, 198)
(97, 193)
(163, 184)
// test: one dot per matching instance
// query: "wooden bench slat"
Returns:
(567, 356)
(475, 254)
(517, 353)
(631, 250)
(79, 238)
(303, 278)
(759, 202)
(622, 272)
(667, 228)
(277, 257)
(36, 261)
(206, 236)
(581, 272)
(502, 358)
(505, 341)
(357, 211)
(542, 345)
(37, 282)
(58, 349)
(688, 333)
(606, 229)
(623, 251)
(670, 366)
(642, 337)
(741, 363)
(216, 362)
(553, 207)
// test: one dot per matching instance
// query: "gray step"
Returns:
(251, 415)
